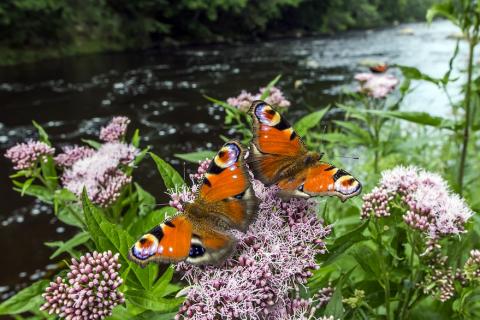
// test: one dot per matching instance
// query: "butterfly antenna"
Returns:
(350, 157)
(162, 204)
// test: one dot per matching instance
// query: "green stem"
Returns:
(466, 132)
(384, 269)
(413, 279)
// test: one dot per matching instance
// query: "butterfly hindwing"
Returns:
(322, 179)
(168, 242)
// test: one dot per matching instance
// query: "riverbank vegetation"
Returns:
(35, 29)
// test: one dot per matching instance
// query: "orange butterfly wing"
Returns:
(322, 179)
(168, 242)
(226, 188)
(272, 134)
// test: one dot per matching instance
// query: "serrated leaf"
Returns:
(309, 121)
(149, 301)
(171, 178)
(196, 157)
(27, 299)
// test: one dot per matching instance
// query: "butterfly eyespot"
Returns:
(239, 196)
(300, 188)
(143, 240)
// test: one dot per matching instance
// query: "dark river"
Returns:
(161, 91)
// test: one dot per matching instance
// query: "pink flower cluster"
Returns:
(429, 204)
(376, 85)
(26, 155)
(115, 130)
(180, 196)
(273, 258)
(90, 290)
(100, 173)
(245, 99)
(202, 169)
(71, 155)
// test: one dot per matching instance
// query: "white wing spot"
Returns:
(170, 249)
(235, 176)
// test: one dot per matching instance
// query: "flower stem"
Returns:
(384, 270)
(466, 132)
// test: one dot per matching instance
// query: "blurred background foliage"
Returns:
(36, 29)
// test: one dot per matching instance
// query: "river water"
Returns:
(161, 91)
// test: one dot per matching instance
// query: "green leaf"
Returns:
(335, 306)
(146, 201)
(71, 215)
(42, 133)
(162, 283)
(151, 315)
(196, 156)
(269, 87)
(78, 239)
(171, 178)
(27, 299)
(149, 301)
(92, 143)
(152, 219)
(423, 118)
(136, 138)
(109, 236)
(343, 243)
(49, 172)
(309, 121)
(40, 192)
(141, 155)
(26, 185)
(223, 104)
(444, 9)
(413, 73)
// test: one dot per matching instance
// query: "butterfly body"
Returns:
(200, 235)
(280, 157)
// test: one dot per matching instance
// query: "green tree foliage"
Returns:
(38, 28)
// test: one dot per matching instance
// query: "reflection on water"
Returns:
(161, 91)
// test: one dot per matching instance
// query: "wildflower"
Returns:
(100, 173)
(472, 266)
(439, 280)
(274, 257)
(202, 169)
(376, 85)
(274, 98)
(181, 195)
(430, 206)
(90, 290)
(115, 130)
(71, 155)
(26, 155)
(245, 99)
